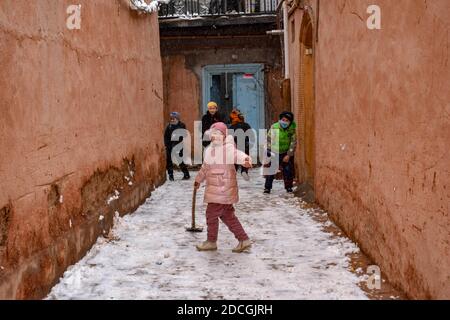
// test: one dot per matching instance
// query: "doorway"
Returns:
(238, 86)
(306, 106)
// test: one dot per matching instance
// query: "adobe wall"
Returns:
(382, 134)
(80, 118)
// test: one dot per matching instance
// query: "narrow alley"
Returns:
(343, 103)
(153, 257)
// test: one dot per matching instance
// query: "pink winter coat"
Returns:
(219, 172)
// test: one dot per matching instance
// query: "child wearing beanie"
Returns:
(222, 188)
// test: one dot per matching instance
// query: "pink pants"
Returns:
(225, 212)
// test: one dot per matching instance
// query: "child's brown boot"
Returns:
(207, 246)
(242, 246)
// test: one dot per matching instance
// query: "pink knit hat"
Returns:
(222, 127)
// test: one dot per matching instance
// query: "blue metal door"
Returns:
(245, 98)
(247, 90)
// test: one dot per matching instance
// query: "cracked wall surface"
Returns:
(80, 118)
(382, 133)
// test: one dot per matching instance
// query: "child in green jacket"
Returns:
(282, 142)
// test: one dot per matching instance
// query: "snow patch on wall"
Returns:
(141, 5)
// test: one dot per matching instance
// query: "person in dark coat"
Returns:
(173, 125)
(237, 121)
(212, 116)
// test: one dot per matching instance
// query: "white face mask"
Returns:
(174, 121)
(212, 110)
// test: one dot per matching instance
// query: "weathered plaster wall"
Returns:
(382, 134)
(79, 111)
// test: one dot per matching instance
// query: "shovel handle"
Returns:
(194, 197)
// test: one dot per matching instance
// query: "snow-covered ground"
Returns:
(155, 258)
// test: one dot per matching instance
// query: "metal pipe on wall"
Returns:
(286, 39)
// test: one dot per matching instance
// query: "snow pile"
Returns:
(114, 197)
(153, 257)
(142, 6)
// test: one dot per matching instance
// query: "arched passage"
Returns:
(306, 114)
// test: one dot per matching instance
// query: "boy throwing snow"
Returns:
(221, 192)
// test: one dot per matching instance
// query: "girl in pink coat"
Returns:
(218, 170)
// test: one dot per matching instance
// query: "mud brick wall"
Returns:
(382, 133)
(80, 132)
